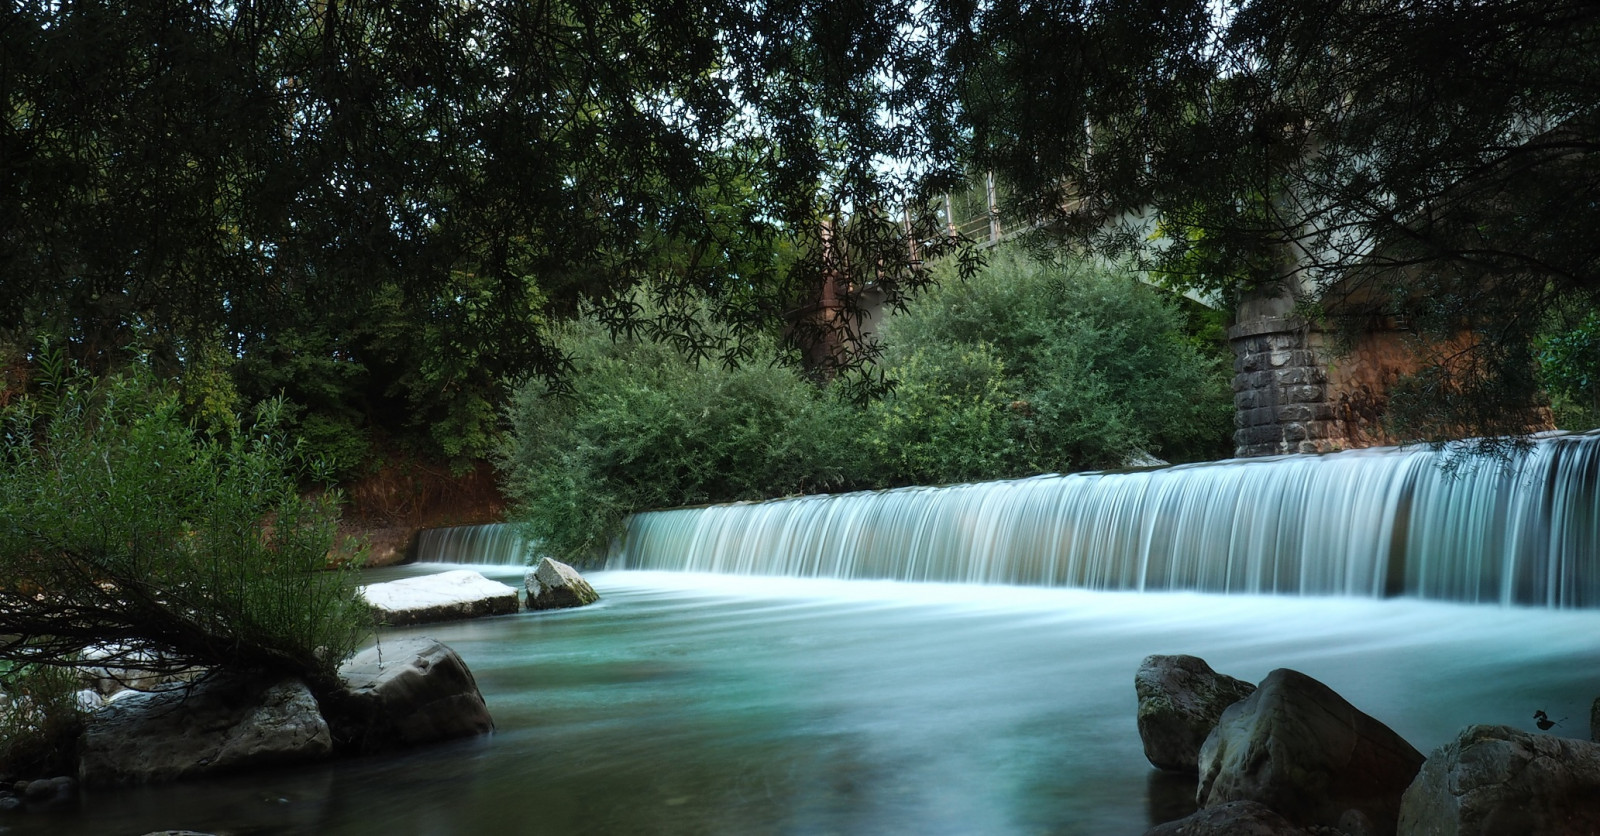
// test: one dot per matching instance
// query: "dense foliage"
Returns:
(1435, 162)
(127, 536)
(1028, 367)
(1569, 364)
(373, 209)
(1046, 366)
(647, 425)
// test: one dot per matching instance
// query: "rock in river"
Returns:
(1236, 818)
(221, 724)
(555, 585)
(406, 692)
(1180, 701)
(1500, 781)
(446, 596)
(1302, 750)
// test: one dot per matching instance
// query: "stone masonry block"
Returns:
(1260, 416)
(1303, 394)
(1296, 376)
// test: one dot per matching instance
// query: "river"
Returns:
(688, 703)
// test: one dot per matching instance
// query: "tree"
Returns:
(395, 201)
(1431, 161)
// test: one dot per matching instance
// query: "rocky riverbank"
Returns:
(1290, 757)
(396, 694)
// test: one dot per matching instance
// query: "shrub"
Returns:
(645, 425)
(1569, 367)
(949, 419)
(1096, 365)
(122, 527)
(39, 720)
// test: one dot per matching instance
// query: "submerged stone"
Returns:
(555, 585)
(446, 596)
(1298, 747)
(1180, 701)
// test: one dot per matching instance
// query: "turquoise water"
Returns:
(713, 704)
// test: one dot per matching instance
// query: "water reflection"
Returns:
(715, 705)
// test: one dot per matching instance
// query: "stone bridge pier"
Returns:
(1295, 390)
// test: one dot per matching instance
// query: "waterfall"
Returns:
(1375, 522)
(493, 544)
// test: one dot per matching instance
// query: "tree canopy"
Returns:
(1431, 161)
(377, 208)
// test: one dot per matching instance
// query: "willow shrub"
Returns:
(1034, 366)
(645, 426)
(125, 531)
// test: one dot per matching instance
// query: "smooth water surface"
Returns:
(705, 704)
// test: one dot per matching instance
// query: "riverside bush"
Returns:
(1080, 364)
(1028, 367)
(125, 530)
(949, 418)
(646, 425)
(39, 720)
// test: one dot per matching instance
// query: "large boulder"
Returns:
(407, 692)
(1500, 781)
(1236, 818)
(446, 596)
(218, 725)
(555, 585)
(1180, 701)
(1302, 750)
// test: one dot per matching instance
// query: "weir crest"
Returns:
(1374, 522)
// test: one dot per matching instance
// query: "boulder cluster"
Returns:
(145, 727)
(402, 693)
(1290, 757)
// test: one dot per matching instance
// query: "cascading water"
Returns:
(1365, 523)
(494, 544)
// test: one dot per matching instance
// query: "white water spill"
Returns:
(495, 544)
(1375, 522)
(689, 703)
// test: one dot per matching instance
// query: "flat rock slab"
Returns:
(446, 596)
(217, 726)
